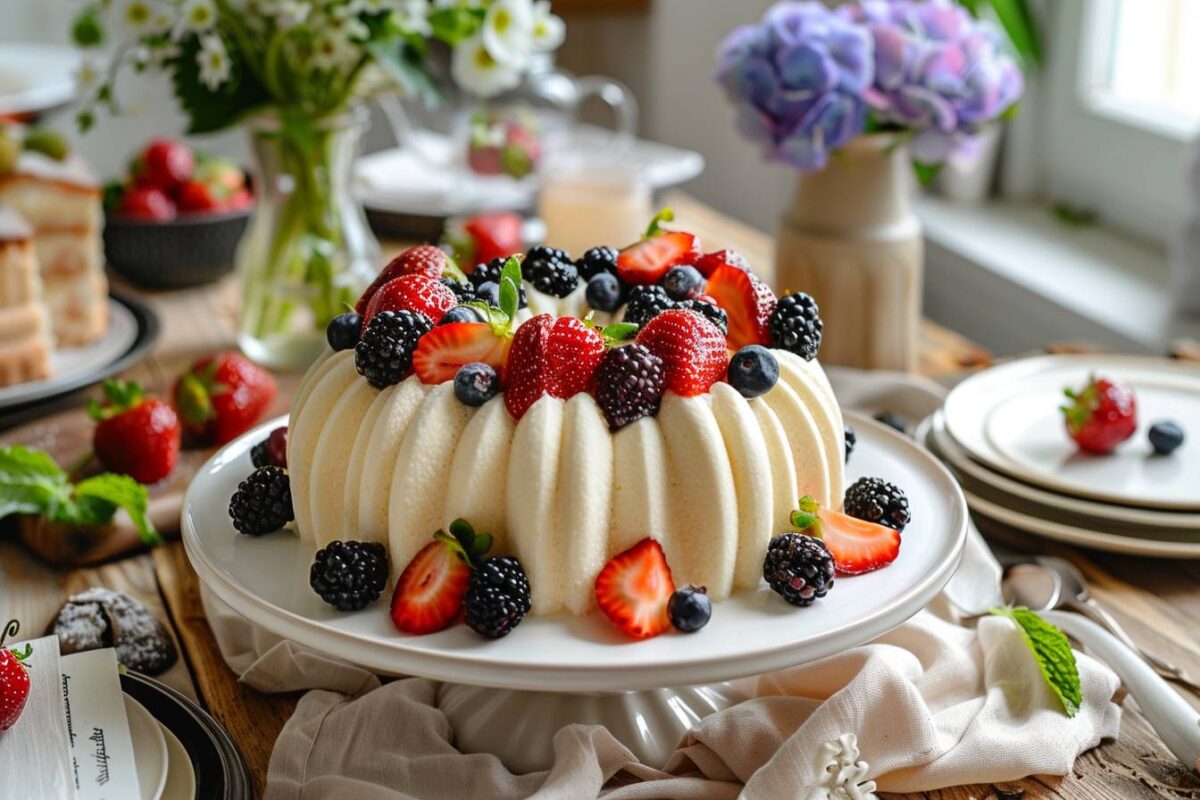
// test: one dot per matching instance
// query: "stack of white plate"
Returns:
(1002, 434)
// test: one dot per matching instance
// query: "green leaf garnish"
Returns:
(31, 483)
(666, 215)
(510, 287)
(1052, 652)
(618, 332)
(464, 541)
(805, 517)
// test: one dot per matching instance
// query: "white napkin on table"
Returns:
(932, 704)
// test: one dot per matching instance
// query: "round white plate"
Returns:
(181, 777)
(36, 77)
(149, 749)
(1008, 418)
(266, 580)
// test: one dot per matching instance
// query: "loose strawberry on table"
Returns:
(135, 435)
(221, 397)
(1101, 415)
(14, 685)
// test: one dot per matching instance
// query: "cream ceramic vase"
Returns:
(851, 240)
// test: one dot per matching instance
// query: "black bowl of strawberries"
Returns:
(176, 219)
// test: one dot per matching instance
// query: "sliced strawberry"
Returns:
(857, 546)
(647, 261)
(424, 259)
(709, 262)
(446, 348)
(748, 301)
(633, 590)
(527, 372)
(412, 293)
(496, 234)
(573, 354)
(429, 594)
(693, 350)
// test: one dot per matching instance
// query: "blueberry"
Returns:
(343, 331)
(892, 420)
(489, 292)
(1166, 436)
(476, 383)
(689, 608)
(851, 440)
(462, 314)
(753, 370)
(604, 292)
(683, 283)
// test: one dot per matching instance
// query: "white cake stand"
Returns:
(510, 696)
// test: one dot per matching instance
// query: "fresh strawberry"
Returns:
(748, 301)
(147, 202)
(239, 200)
(14, 685)
(429, 593)
(648, 260)
(495, 235)
(220, 173)
(221, 397)
(1101, 415)
(633, 590)
(135, 435)
(196, 197)
(446, 348)
(412, 293)
(557, 357)
(164, 163)
(424, 259)
(857, 546)
(708, 262)
(693, 350)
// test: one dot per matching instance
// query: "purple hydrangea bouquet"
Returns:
(807, 79)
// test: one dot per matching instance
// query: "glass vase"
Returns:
(308, 251)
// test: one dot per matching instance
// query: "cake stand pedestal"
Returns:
(510, 696)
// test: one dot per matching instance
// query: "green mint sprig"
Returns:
(666, 215)
(1052, 652)
(31, 483)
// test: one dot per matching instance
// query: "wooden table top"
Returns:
(1159, 600)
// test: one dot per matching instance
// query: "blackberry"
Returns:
(604, 292)
(262, 502)
(753, 370)
(876, 500)
(556, 278)
(799, 568)
(465, 292)
(542, 254)
(349, 575)
(796, 325)
(710, 311)
(689, 608)
(271, 451)
(597, 260)
(892, 420)
(851, 440)
(498, 597)
(343, 330)
(683, 283)
(646, 303)
(629, 384)
(1165, 437)
(384, 353)
(487, 272)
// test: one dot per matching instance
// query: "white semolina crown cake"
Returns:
(712, 477)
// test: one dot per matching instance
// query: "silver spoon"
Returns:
(1049, 582)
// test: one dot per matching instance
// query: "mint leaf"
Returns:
(666, 215)
(618, 332)
(1053, 654)
(805, 517)
(117, 491)
(510, 287)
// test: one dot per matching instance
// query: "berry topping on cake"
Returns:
(476, 383)
(429, 593)
(527, 378)
(417, 293)
(648, 260)
(604, 292)
(487, 271)
(646, 303)
(464, 291)
(498, 597)
(442, 352)
(753, 370)
(857, 546)
(550, 270)
(693, 351)
(262, 502)
(135, 435)
(876, 500)
(384, 353)
(221, 397)
(799, 568)
(596, 261)
(343, 331)
(851, 440)
(423, 259)
(689, 608)
(796, 325)
(1165, 437)
(709, 310)
(629, 385)
(462, 314)
(634, 588)
(271, 451)
(748, 301)
(683, 283)
(573, 354)
(349, 575)
(709, 262)
(1101, 415)
(550, 356)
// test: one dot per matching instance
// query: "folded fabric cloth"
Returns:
(931, 704)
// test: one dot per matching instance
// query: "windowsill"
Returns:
(1013, 278)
